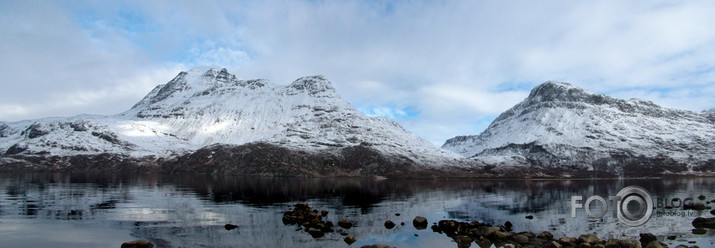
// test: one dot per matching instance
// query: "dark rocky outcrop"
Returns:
(308, 219)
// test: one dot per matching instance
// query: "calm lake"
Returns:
(78, 210)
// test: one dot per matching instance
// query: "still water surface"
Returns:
(78, 210)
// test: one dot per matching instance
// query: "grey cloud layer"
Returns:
(454, 63)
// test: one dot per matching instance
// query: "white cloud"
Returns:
(454, 63)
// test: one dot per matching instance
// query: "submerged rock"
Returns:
(521, 239)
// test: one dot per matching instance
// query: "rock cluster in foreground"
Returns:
(484, 235)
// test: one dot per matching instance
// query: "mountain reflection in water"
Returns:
(68, 210)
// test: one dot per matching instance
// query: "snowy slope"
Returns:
(209, 106)
(559, 124)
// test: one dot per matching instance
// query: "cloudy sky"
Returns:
(439, 68)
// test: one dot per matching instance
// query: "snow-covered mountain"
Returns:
(204, 107)
(562, 126)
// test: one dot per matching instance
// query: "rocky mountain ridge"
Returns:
(205, 107)
(562, 126)
(208, 120)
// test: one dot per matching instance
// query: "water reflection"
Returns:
(186, 211)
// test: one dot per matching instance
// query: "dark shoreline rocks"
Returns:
(464, 233)
(273, 160)
(484, 235)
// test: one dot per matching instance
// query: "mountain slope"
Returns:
(203, 107)
(562, 126)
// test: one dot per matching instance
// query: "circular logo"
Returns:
(635, 206)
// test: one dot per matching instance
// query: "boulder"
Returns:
(613, 243)
(463, 240)
(646, 238)
(508, 226)
(566, 240)
(521, 239)
(588, 238)
(315, 232)
(420, 222)
(389, 224)
(349, 240)
(344, 223)
(483, 242)
(655, 244)
(546, 235)
(555, 244)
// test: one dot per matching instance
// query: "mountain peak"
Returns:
(554, 91)
(312, 84)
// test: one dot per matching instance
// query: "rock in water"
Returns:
(389, 224)
(349, 239)
(419, 222)
(137, 244)
(702, 222)
(344, 223)
(230, 226)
